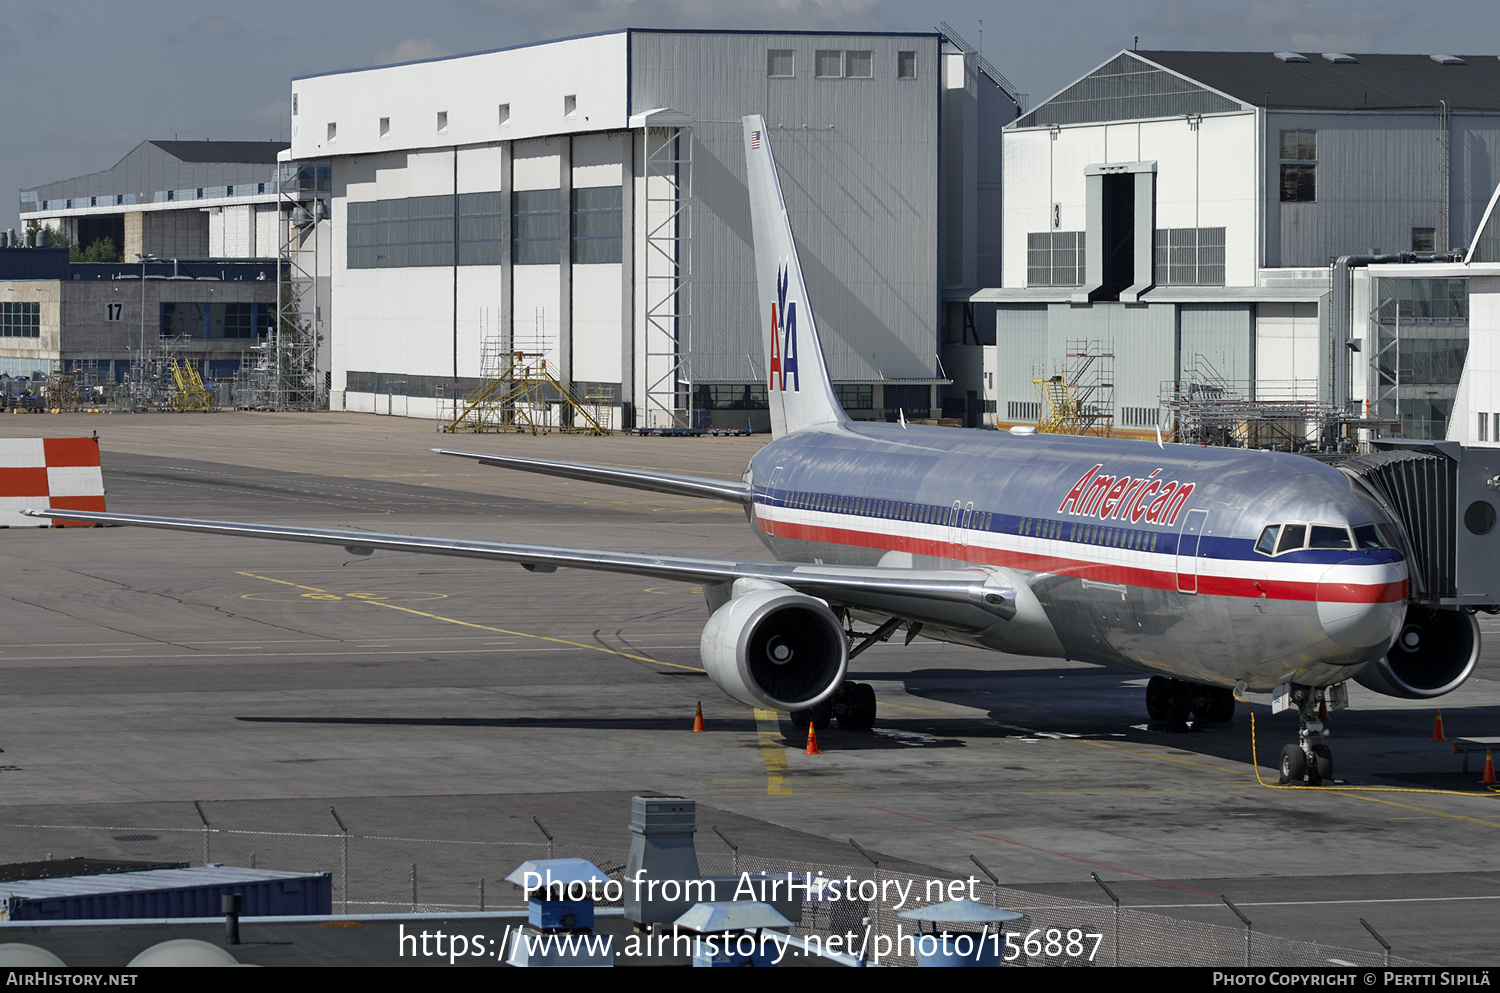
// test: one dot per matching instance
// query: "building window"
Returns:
(294, 105)
(597, 226)
(781, 63)
(1299, 166)
(536, 230)
(20, 320)
(186, 320)
(859, 65)
(731, 396)
(333, 130)
(385, 127)
(480, 228)
(906, 65)
(1424, 239)
(1483, 425)
(504, 114)
(1189, 257)
(442, 122)
(1055, 258)
(854, 396)
(828, 64)
(415, 231)
(570, 105)
(1022, 410)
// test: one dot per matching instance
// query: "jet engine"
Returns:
(775, 648)
(1434, 653)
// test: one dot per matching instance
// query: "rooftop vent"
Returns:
(1448, 60)
(1291, 57)
(1339, 57)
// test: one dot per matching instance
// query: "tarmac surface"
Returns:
(433, 699)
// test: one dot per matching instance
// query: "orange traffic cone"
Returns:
(1489, 769)
(1437, 728)
(698, 720)
(812, 741)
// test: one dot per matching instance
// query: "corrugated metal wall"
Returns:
(1223, 334)
(1377, 179)
(858, 160)
(1020, 347)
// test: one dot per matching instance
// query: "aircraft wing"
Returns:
(676, 483)
(965, 599)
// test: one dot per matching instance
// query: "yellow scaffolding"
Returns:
(190, 394)
(527, 397)
(1078, 398)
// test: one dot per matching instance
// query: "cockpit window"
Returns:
(1329, 536)
(1292, 537)
(1267, 543)
(1367, 536)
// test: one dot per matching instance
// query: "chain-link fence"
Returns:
(374, 874)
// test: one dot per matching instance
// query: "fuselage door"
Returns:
(773, 493)
(1188, 541)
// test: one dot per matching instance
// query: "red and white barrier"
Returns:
(60, 473)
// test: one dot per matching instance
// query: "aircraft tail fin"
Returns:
(801, 394)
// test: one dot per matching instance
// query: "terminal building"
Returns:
(584, 201)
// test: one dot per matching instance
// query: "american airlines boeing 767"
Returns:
(1214, 571)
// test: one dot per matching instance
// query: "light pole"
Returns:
(140, 359)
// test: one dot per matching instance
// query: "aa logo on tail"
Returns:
(784, 349)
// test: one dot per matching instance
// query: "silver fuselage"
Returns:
(1121, 553)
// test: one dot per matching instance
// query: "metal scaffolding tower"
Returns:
(1209, 410)
(281, 371)
(1079, 396)
(668, 277)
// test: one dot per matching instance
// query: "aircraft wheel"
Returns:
(860, 713)
(1177, 701)
(1293, 765)
(1156, 691)
(822, 715)
(801, 718)
(1322, 770)
(1213, 704)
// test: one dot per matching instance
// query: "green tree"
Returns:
(101, 250)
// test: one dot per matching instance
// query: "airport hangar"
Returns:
(1284, 230)
(210, 218)
(584, 199)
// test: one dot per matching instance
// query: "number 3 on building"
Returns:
(112, 311)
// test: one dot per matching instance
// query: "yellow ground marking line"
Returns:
(485, 627)
(772, 752)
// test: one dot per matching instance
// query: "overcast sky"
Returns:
(87, 80)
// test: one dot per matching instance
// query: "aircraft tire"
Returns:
(1213, 704)
(1156, 688)
(860, 716)
(1322, 770)
(1177, 701)
(1293, 766)
(800, 719)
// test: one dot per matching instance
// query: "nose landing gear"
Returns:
(1309, 762)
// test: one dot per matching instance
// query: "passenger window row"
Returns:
(892, 510)
(1278, 539)
(1090, 534)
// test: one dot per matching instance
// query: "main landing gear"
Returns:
(1309, 762)
(853, 704)
(1177, 700)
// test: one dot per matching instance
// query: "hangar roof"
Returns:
(1137, 85)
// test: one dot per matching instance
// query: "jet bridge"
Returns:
(1444, 497)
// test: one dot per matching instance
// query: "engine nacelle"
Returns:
(775, 648)
(1434, 653)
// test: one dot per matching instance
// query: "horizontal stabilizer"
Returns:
(636, 479)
